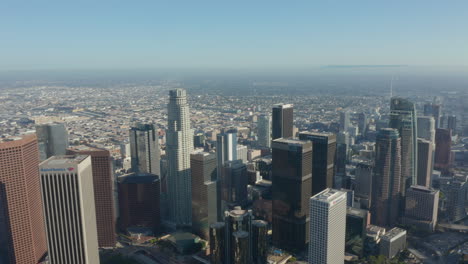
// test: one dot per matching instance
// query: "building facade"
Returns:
(103, 183)
(179, 145)
(69, 210)
(327, 227)
(52, 139)
(282, 121)
(385, 204)
(22, 231)
(264, 131)
(291, 190)
(323, 159)
(144, 149)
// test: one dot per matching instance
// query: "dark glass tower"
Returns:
(144, 147)
(323, 159)
(282, 126)
(291, 190)
(387, 174)
(403, 118)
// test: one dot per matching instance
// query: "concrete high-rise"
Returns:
(179, 145)
(264, 131)
(103, 181)
(226, 149)
(22, 232)
(431, 109)
(403, 118)
(291, 190)
(70, 215)
(327, 227)
(421, 208)
(204, 192)
(385, 205)
(426, 128)
(282, 121)
(344, 120)
(52, 139)
(323, 159)
(362, 124)
(425, 162)
(144, 149)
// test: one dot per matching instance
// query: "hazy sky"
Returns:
(105, 34)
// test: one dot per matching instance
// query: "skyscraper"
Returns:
(144, 148)
(204, 192)
(443, 142)
(291, 190)
(103, 181)
(452, 123)
(327, 227)
(432, 109)
(363, 189)
(52, 139)
(22, 232)
(282, 126)
(70, 215)
(421, 208)
(344, 120)
(264, 131)
(387, 176)
(226, 148)
(179, 145)
(362, 124)
(425, 159)
(139, 201)
(323, 159)
(233, 183)
(403, 118)
(426, 128)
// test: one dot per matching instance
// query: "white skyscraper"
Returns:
(264, 131)
(327, 227)
(179, 145)
(69, 209)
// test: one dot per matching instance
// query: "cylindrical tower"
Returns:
(259, 241)
(217, 242)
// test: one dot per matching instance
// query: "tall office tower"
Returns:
(139, 201)
(421, 208)
(217, 243)
(387, 176)
(239, 239)
(264, 131)
(443, 142)
(403, 118)
(53, 140)
(433, 110)
(234, 181)
(144, 148)
(226, 148)
(456, 192)
(242, 153)
(357, 221)
(327, 227)
(344, 120)
(426, 128)
(323, 159)
(363, 176)
(179, 145)
(291, 190)
(343, 146)
(259, 241)
(282, 121)
(103, 182)
(70, 215)
(425, 159)
(204, 192)
(362, 124)
(452, 123)
(199, 140)
(22, 233)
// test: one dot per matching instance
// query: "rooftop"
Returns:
(328, 195)
(64, 159)
(136, 178)
(394, 233)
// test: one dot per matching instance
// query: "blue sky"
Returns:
(230, 34)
